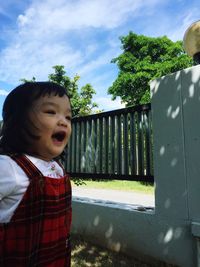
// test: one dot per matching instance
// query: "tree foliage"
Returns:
(144, 59)
(81, 100)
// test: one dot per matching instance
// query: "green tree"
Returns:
(85, 103)
(144, 59)
(81, 100)
(26, 80)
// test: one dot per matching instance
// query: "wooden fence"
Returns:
(112, 145)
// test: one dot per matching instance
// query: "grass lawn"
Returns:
(118, 185)
(85, 254)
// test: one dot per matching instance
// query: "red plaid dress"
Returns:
(38, 233)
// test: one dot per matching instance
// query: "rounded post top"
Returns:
(191, 41)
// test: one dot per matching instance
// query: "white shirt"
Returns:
(14, 182)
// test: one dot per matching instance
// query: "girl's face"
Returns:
(52, 117)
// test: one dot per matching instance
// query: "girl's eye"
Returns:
(50, 112)
(69, 118)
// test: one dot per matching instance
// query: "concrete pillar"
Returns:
(176, 130)
(169, 151)
(191, 114)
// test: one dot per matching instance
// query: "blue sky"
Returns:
(82, 35)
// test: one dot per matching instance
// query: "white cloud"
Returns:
(108, 104)
(3, 92)
(185, 20)
(172, 26)
(64, 32)
(18, 61)
(100, 60)
(68, 15)
(45, 30)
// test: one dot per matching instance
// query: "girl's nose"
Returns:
(62, 121)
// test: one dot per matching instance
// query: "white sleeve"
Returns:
(7, 177)
(13, 185)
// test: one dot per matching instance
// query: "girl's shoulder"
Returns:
(5, 159)
(12, 178)
(8, 165)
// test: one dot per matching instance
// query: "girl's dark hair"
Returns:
(15, 136)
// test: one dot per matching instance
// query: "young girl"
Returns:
(35, 192)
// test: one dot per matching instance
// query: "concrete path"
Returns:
(104, 196)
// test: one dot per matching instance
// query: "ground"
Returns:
(85, 254)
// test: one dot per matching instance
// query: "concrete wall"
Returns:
(170, 232)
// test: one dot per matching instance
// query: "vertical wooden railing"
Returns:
(115, 144)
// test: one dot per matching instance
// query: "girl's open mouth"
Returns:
(59, 136)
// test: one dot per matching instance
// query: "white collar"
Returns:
(35, 160)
